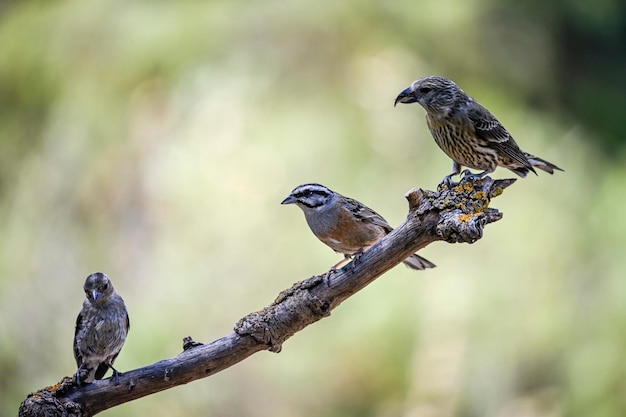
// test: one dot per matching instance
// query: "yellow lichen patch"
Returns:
(479, 195)
(464, 218)
(54, 388)
(496, 192)
(467, 187)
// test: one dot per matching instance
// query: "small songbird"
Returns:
(345, 225)
(101, 329)
(467, 132)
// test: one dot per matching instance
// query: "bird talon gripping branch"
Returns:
(327, 275)
(115, 378)
(473, 177)
(356, 257)
(447, 181)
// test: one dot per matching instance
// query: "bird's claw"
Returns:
(467, 174)
(80, 376)
(355, 257)
(447, 180)
(331, 271)
(115, 378)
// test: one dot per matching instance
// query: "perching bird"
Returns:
(101, 329)
(466, 131)
(345, 225)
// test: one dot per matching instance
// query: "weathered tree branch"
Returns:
(455, 213)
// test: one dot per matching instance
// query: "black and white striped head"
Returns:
(98, 287)
(309, 196)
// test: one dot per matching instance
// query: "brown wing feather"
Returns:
(488, 128)
(366, 214)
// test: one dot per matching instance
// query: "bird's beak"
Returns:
(289, 200)
(95, 294)
(406, 96)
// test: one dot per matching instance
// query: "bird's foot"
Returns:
(80, 376)
(115, 378)
(327, 275)
(356, 257)
(467, 174)
(447, 180)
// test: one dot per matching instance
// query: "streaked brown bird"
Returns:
(467, 132)
(101, 329)
(344, 224)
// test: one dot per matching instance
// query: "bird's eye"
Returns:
(105, 286)
(424, 90)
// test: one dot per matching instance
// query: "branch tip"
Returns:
(498, 186)
(414, 196)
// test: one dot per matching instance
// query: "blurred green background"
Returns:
(154, 141)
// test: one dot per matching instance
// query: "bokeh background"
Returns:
(154, 141)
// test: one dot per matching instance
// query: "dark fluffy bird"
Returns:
(101, 329)
(344, 224)
(466, 131)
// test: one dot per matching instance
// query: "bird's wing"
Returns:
(488, 128)
(366, 214)
(79, 324)
(486, 125)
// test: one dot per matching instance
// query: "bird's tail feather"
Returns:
(417, 262)
(101, 370)
(521, 171)
(542, 164)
